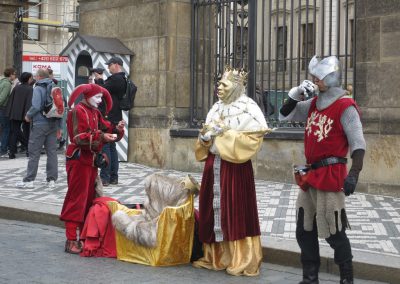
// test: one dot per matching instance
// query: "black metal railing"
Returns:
(273, 39)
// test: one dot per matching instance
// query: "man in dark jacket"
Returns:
(18, 105)
(116, 86)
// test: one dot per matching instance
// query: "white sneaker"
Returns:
(51, 184)
(22, 184)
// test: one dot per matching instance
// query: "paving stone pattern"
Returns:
(374, 219)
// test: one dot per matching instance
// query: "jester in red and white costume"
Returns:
(333, 128)
(88, 131)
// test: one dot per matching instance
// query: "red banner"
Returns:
(45, 58)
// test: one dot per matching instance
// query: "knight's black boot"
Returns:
(310, 274)
(346, 272)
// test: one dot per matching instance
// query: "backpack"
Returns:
(54, 104)
(127, 100)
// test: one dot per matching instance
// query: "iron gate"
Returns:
(273, 40)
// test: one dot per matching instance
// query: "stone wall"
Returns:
(276, 158)
(377, 89)
(378, 65)
(377, 93)
(158, 32)
(7, 10)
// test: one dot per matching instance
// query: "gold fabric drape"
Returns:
(174, 237)
(233, 146)
(201, 150)
(241, 257)
(238, 147)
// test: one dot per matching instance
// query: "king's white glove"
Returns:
(206, 137)
(217, 130)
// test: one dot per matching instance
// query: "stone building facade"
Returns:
(7, 11)
(46, 29)
(377, 83)
(159, 33)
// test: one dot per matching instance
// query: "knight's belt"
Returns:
(328, 161)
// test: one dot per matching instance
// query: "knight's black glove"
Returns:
(350, 184)
(350, 181)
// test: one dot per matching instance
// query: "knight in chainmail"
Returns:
(228, 217)
(333, 129)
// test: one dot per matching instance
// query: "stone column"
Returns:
(377, 92)
(7, 11)
(158, 32)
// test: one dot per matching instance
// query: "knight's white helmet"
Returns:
(327, 69)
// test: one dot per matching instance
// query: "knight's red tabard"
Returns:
(324, 137)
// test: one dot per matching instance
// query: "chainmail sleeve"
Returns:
(352, 126)
(299, 113)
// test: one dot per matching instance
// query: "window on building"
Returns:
(83, 71)
(242, 34)
(77, 11)
(308, 46)
(33, 11)
(281, 48)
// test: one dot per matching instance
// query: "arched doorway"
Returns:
(83, 64)
(86, 51)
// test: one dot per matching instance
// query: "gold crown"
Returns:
(235, 75)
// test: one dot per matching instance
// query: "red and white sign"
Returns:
(45, 58)
(55, 66)
(52, 62)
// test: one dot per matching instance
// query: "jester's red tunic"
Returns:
(85, 127)
(324, 137)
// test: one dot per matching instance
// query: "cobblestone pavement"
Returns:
(31, 253)
(374, 219)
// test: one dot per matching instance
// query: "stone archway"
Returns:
(82, 66)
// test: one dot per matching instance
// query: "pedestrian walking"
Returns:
(43, 133)
(6, 84)
(18, 105)
(333, 127)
